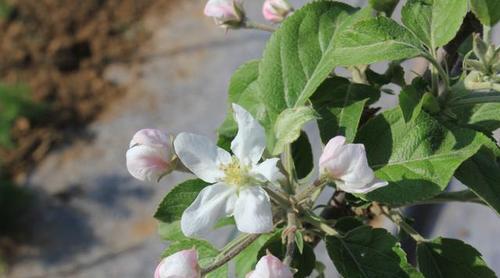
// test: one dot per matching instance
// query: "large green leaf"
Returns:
(417, 158)
(299, 55)
(302, 156)
(340, 105)
(365, 252)
(374, 40)
(289, 125)
(488, 11)
(178, 199)
(434, 22)
(481, 173)
(446, 257)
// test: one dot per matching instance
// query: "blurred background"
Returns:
(77, 80)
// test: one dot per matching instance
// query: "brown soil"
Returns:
(60, 49)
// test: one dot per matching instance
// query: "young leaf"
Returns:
(206, 254)
(374, 40)
(410, 102)
(418, 158)
(302, 156)
(481, 173)
(366, 252)
(488, 11)
(446, 257)
(246, 260)
(340, 105)
(386, 6)
(434, 22)
(178, 199)
(289, 124)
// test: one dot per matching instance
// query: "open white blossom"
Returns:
(237, 179)
(347, 165)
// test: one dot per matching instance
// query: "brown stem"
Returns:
(291, 229)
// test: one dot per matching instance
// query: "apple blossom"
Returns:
(236, 179)
(150, 155)
(347, 165)
(270, 267)
(276, 10)
(183, 264)
(226, 13)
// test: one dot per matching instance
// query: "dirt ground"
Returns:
(60, 48)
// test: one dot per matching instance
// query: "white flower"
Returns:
(225, 12)
(183, 264)
(347, 165)
(270, 267)
(150, 155)
(237, 179)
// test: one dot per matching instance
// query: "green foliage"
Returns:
(289, 124)
(362, 251)
(386, 6)
(488, 11)
(302, 156)
(434, 22)
(5, 11)
(445, 257)
(246, 260)
(178, 200)
(417, 158)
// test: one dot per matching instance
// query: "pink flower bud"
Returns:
(227, 13)
(270, 267)
(183, 264)
(150, 155)
(347, 165)
(276, 10)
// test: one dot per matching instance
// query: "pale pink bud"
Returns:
(276, 10)
(150, 155)
(347, 165)
(270, 267)
(183, 264)
(226, 13)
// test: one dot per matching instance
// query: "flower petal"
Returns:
(212, 203)
(268, 171)
(147, 163)
(181, 264)
(270, 267)
(252, 211)
(151, 137)
(201, 156)
(250, 142)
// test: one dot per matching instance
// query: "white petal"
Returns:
(147, 163)
(252, 211)
(332, 148)
(250, 142)
(270, 267)
(181, 264)
(201, 156)
(212, 203)
(358, 172)
(366, 188)
(268, 171)
(151, 137)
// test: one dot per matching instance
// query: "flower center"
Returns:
(235, 173)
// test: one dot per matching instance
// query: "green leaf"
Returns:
(366, 252)
(247, 259)
(299, 241)
(206, 254)
(417, 158)
(488, 11)
(171, 231)
(178, 200)
(302, 156)
(299, 55)
(386, 6)
(289, 124)
(434, 22)
(446, 257)
(340, 105)
(410, 102)
(374, 40)
(481, 173)
(304, 262)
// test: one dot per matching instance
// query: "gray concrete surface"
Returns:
(94, 220)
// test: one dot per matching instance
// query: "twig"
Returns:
(291, 230)
(259, 26)
(397, 218)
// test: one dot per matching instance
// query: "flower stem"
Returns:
(230, 253)
(397, 218)
(318, 184)
(291, 229)
(278, 196)
(320, 224)
(259, 26)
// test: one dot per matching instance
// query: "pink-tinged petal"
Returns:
(183, 264)
(224, 11)
(252, 211)
(276, 10)
(270, 267)
(151, 137)
(147, 163)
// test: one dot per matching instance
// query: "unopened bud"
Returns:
(183, 264)
(270, 267)
(226, 13)
(276, 10)
(150, 155)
